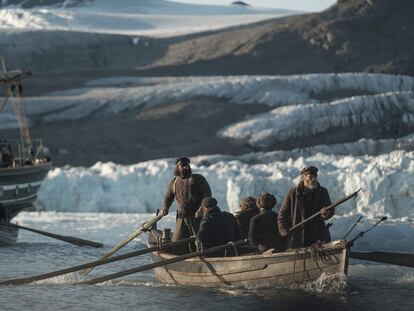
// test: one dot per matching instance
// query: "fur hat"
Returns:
(266, 200)
(182, 161)
(248, 202)
(309, 170)
(209, 202)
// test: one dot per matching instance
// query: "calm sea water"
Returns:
(368, 286)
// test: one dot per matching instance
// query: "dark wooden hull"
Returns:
(260, 270)
(19, 186)
(18, 190)
(8, 235)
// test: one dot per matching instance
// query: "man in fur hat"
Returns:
(302, 201)
(188, 190)
(263, 231)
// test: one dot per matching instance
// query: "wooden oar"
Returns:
(68, 239)
(352, 195)
(393, 258)
(144, 227)
(160, 263)
(95, 263)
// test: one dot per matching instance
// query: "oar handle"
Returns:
(352, 195)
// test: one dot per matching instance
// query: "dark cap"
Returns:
(209, 202)
(248, 202)
(309, 170)
(182, 161)
(266, 200)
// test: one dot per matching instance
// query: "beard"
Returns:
(185, 173)
(310, 185)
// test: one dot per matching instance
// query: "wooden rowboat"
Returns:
(255, 270)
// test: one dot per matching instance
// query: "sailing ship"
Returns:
(23, 163)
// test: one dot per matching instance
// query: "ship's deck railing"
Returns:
(14, 153)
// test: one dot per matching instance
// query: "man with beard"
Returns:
(189, 190)
(302, 201)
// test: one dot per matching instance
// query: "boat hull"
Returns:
(19, 186)
(8, 235)
(260, 270)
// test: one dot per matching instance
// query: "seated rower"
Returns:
(216, 227)
(263, 230)
(248, 210)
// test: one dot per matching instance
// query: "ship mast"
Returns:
(13, 89)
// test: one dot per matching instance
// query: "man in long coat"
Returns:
(302, 201)
(188, 190)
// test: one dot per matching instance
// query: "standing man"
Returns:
(302, 201)
(263, 231)
(189, 190)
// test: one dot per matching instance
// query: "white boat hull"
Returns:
(261, 270)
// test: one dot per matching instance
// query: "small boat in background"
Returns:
(23, 164)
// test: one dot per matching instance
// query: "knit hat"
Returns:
(309, 170)
(266, 201)
(209, 202)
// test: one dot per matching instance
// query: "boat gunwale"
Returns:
(331, 246)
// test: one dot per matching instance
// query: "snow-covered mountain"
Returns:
(158, 18)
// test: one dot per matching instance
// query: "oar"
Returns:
(161, 263)
(95, 263)
(350, 230)
(144, 227)
(68, 239)
(362, 233)
(393, 258)
(352, 195)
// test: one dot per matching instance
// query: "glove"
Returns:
(325, 212)
(283, 232)
(164, 211)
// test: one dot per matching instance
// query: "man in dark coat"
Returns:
(217, 227)
(248, 210)
(302, 201)
(189, 190)
(263, 230)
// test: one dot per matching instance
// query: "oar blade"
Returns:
(393, 258)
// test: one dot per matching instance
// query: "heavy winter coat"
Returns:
(243, 219)
(264, 232)
(189, 192)
(299, 204)
(218, 228)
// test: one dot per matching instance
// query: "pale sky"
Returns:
(299, 5)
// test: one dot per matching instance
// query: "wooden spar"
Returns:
(144, 227)
(95, 263)
(352, 195)
(160, 263)
(393, 258)
(68, 239)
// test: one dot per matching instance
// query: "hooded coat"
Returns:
(299, 204)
